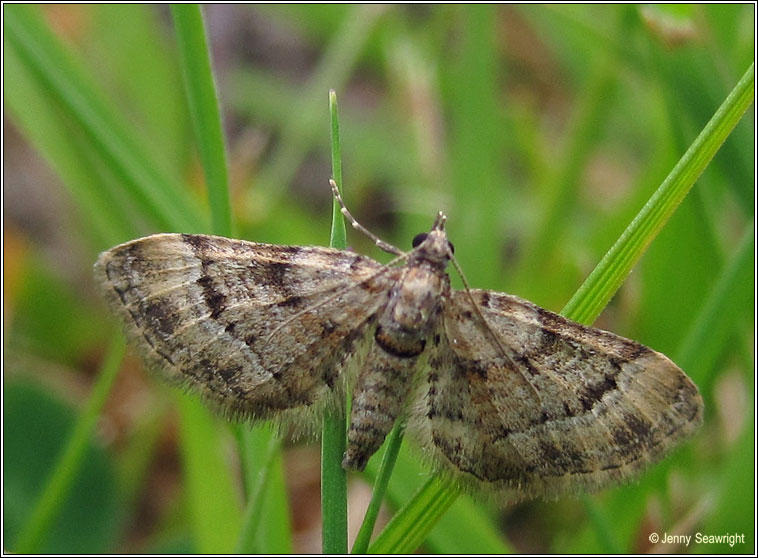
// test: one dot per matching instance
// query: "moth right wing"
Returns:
(557, 408)
(257, 329)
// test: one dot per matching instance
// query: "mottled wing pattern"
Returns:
(585, 407)
(257, 329)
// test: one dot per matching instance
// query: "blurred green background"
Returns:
(540, 131)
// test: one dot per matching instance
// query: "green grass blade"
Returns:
(276, 537)
(411, 524)
(394, 440)
(333, 476)
(333, 485)
(214, 505)
(203, 103)
(158, 196)
(409, 527)
(54, 494)
(465, 528)
(475, 140)
(338, 237)
(607, 277)
(32, 108)
(147, 80)
(258, 484)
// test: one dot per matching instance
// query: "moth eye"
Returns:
(452, 248)
(418, 239)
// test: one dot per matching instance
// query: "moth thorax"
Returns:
(415, 301)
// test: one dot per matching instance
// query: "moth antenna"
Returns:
(338, 291)
(389, 248)
(487, 327)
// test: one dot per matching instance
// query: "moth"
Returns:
(505, 397)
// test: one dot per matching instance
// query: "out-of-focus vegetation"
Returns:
(540, 130)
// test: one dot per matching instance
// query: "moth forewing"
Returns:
(199, 310)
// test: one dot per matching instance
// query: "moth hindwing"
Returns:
(504, 396)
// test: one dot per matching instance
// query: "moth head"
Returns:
(434, 245)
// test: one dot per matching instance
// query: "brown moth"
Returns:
(508, 398)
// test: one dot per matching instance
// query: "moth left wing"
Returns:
(257, 329)
(566, 408)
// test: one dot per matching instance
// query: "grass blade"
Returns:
(338, 237)
(214, 505)
(157, 195)
(465, 528)
(409, 527)
(33, 108)
(258, 485)
(475, 139)
(394, 440)
(333, 476)
(204, 107)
